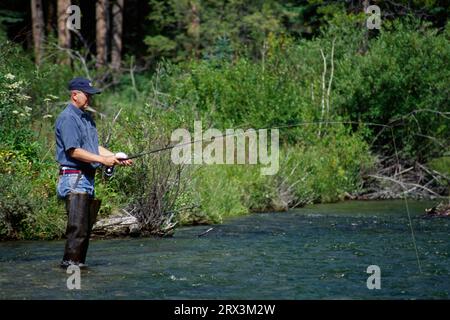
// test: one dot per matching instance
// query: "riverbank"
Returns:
(123, 225)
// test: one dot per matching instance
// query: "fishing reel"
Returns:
(108, 172)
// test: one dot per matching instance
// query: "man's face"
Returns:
(81, 99)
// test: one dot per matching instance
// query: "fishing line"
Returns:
(407, 206)
(138, 155)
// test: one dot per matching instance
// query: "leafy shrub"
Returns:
(15, 205)
(401, 81)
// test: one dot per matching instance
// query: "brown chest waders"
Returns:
(82, 213)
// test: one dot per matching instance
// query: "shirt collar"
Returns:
(76, 110)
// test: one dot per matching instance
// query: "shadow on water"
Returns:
(317, 252)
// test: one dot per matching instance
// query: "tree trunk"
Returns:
(101, 31)
(37, 17)
(194, 28)
(63, 31)
(50, 17)
(365, 41)
(116, 48)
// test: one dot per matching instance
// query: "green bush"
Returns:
(15, 205)
(401, 81)
(327, 170)
(15, 118)
(28, 204)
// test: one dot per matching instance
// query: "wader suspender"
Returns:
(76, 181)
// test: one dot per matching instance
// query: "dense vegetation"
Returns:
(387, 98)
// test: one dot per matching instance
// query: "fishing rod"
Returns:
(109, 171)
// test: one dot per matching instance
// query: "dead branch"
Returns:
(404, 184)
(331, 79)
(323, 90)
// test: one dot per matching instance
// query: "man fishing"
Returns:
(79, 155)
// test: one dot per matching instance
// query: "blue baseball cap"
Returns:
(83, 84)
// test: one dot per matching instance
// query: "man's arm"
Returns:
(89, 157)
(104, 152)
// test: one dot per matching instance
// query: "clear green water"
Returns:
(318, 252)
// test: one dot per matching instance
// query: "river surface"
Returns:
(316, 252)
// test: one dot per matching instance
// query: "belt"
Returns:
(89, 173)
(68, 171)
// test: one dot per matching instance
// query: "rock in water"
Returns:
(440, 210)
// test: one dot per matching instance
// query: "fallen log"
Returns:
(117, 225)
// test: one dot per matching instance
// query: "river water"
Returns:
(316, 252)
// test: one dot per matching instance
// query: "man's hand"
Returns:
(120, 158)
(126, 162)
(110, 161)
(123, 159)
